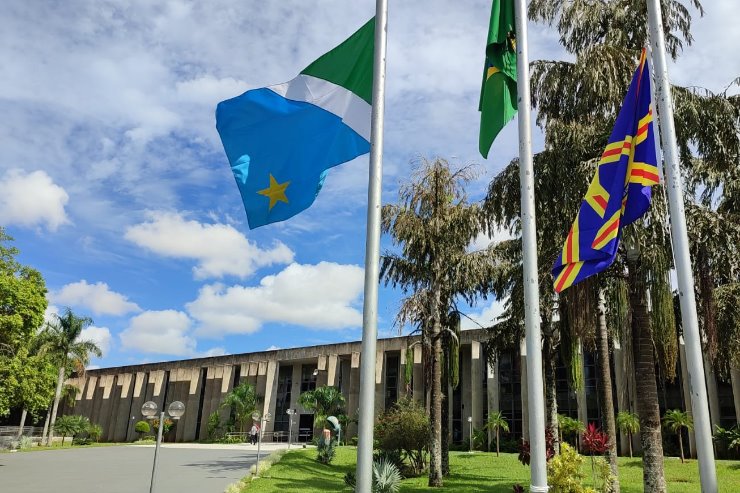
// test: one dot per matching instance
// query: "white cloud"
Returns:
(161, 332)
(99, 335)
(218, 248)
(486, 317)
(32, 199)
(273, 348)
(96, 297)
(318, 296)
(483, 240)
(214, 351)
(50, 312)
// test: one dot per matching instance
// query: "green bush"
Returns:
(564, 473)
(168, 424)
(25, 442)
(386, 477)
(405, 428)
(142, 428)
(326, 449)
(71, 426)
(94, 431)
(215, 427)
(353, 441)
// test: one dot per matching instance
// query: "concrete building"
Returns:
(112, 397)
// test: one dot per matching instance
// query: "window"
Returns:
(391, 379)
(308, 379)
(510, 392)
(282, 402)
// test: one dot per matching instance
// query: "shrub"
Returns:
(94, 431)
(564, 473)
(595, 441)
(392, 456)
(215, 427)
(142, 428)
(71, 426)
(524, 451)
(25, 442)
(353, 441)
(168, 423)
(386, 477)
(326, 449)
(405, 428)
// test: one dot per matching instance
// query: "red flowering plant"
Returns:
(524, 451)
(595, 442)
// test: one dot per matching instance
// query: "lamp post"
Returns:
(149, 410)
(262, 420)
(470, 423)
(290, 413)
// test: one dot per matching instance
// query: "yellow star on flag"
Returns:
(276, 191)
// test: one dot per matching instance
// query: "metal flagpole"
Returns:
(535, 392)
(680, 240)
(372, 254)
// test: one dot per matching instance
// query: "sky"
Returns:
(115, 186)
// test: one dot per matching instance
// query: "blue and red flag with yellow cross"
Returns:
(619, 193)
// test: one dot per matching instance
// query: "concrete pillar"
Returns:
(122, 416)
(189, 421)
(735, 377)
(138, 398)
(105, 405)
(322, 378)
(418, 379)
(686, 392)
(353, 403)
(476, 382)
(403, 389)
(524, 391)
(270, 400)
(331, 370)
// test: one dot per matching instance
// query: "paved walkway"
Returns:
(183, 468)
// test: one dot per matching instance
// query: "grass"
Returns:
(67, 446)
(476, 473)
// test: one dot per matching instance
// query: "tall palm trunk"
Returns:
(55, 406)
(645, 386)
(23, 422)
(551, 403)
(605, 390)
(680, 444)
(435, 418)
(44, 433)
(445, 413)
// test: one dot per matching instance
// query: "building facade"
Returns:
(112, 397)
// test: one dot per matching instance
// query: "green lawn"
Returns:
(478, 472)
(67, 446)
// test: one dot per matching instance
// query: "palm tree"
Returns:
(496, 423)
(243, 400)
(60, 339)
(433, 224)
(569, 426)
(628, 423)
(323, 402)
(676, 420)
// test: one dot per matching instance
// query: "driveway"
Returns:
(127, 469)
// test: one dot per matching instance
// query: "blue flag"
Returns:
(282, 140)
(619, 193)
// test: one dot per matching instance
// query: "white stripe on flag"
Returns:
(353, 110)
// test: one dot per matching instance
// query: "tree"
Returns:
(323, 402)
(405, 429)
(24, 374)
(60, 340)
(628, 423)
(569, 426)
(433, 224)
(71, 425)
(676, 420)
(243, 400)
(142, 428)
(496, 423)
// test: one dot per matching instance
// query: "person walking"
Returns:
(253, 434)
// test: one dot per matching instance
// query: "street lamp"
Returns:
(470, 422)
(262, 420)
(149, 410)
(290, 413)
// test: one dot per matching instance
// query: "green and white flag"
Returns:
(498, 98)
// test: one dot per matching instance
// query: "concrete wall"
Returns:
(113, 397)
